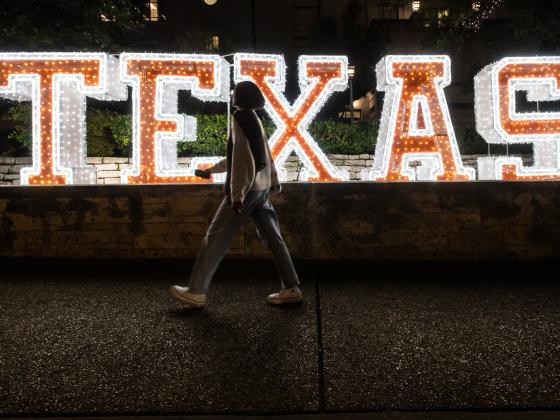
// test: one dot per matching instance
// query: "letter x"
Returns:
(318, 78)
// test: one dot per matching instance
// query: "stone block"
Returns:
(356, 162)
(116, 160)
(6, 160)
(111, 159)
(14, 169)
(8, 177)
(108, 174)
(113, 180)
(94, 160)
(107, 167)
(320, 220)
(23, 161)
(4, 169)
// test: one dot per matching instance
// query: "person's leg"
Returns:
(216, 242)
(265, 219)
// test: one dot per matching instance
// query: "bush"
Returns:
(20, 115)
(211, 137)
(343, 138)
(109, 133)
(332, 136)
(470, 142)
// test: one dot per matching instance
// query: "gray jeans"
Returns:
(257, 208)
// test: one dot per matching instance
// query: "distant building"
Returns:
(290, 27)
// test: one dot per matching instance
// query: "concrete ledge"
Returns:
(351, 220)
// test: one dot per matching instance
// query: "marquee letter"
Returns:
(319, 77)
(499, 121)
(415, 123)
(156, 80)
(57, 83)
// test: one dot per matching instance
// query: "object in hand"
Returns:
(203, 173)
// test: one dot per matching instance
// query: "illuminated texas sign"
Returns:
(415, 123)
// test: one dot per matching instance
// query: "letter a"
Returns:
(415, 123)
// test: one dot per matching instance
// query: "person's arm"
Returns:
(242, 166)
(275, 186)
(219, 167)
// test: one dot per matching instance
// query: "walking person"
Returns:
(251, 176)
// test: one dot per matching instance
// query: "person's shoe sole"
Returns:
(186, 300)
(281, 301)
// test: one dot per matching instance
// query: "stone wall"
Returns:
(347, 220)
(108, 168)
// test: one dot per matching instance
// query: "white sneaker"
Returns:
(286, 295)
(197, 300)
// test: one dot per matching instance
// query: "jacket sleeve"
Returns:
(219, 167)
(242, 165)
(275, 186)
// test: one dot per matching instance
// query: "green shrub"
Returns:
(109, 133)
(343, 138)
(470, 142)
(332, 136)
(20, 115)
(211, 137)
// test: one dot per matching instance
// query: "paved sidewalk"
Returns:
(363, 342)
(387, 415)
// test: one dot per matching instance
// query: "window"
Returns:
(443, 13)
(388, 12)
(214, 43)
(153, 15)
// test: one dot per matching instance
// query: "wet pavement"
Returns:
(463, 339)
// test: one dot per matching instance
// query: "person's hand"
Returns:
(237, 207)
(275, 189)
(202, 173)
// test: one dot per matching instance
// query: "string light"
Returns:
(319, 77)
(157, 127)
(498, 121)
(57, 84)
(415, 123)
(474, 23)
